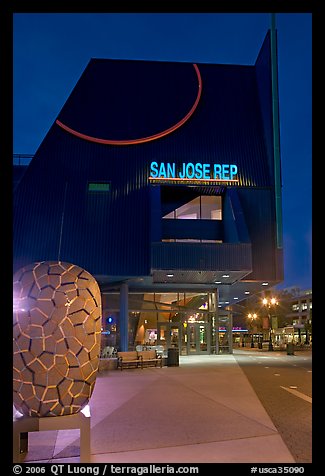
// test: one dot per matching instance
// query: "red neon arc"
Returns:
(143, 139)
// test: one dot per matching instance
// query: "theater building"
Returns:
(162, 180)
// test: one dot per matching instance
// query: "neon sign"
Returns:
(234, 329)
(193, 172)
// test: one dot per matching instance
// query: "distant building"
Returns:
(300, 315)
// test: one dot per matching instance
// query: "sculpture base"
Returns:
(80, 420)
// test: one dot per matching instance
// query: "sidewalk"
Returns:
(204, 411)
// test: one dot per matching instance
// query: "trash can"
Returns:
(173, 357)
(290, 348)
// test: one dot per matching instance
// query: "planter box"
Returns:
(107, 364)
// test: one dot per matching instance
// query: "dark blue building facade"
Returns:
(161, 179)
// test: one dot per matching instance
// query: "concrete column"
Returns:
(230, 333)
(216, 313)
(300, 315)
(124, 317)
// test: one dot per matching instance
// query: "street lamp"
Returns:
(252, 317)
(269, 304)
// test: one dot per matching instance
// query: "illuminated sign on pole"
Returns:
(193, 171)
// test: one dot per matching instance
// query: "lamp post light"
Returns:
(252, 317)
(269, 304)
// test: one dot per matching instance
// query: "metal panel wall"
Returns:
(203, 256)
(54, 214)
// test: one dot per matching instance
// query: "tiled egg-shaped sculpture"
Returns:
(56, 338)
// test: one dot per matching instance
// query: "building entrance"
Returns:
(198, 338)
(190, 339)
(169, 334)
(188, 321)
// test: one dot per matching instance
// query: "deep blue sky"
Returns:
(51, 50)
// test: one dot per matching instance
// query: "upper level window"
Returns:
(98, 186)
(204, 207)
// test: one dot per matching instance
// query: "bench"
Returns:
(128, 359)
(135, 359)
(150, 357)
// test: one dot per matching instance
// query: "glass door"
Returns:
(169, 334)
(198, 338)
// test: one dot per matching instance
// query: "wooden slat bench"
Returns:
(128, 359)
(135, 359)
(150, 357)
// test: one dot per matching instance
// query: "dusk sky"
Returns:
(51, 51)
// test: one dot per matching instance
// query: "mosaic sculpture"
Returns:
(56, 338)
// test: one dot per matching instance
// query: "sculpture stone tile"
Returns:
(56, 338)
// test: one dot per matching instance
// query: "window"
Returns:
(204, 207)
(98, 186)
(211, 208)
